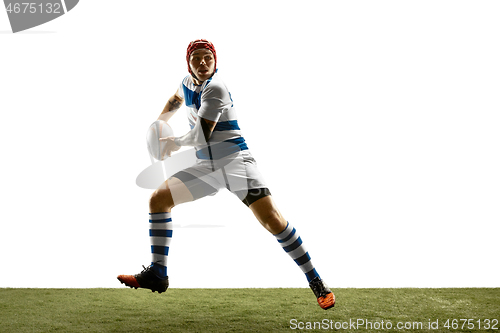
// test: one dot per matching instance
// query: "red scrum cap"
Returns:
(200, 44)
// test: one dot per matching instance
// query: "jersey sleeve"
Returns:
(215, 100)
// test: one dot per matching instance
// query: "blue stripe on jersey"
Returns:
(191, 97)
(231, 125)
(240, 141)
(222, 149)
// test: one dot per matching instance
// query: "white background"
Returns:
(375, 123)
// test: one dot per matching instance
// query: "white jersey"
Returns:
(212, 101)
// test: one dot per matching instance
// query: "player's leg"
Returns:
(245, 180)
(171, 192)
(182, 187)
(266, 211)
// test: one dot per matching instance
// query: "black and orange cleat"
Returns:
(146, 279)
(325, 297)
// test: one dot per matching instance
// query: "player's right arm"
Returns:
(173, 104)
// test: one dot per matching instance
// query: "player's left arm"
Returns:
(173, 104)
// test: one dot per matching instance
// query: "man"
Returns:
(223, 161)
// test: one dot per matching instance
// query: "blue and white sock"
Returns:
(292, 244)
(160, 233)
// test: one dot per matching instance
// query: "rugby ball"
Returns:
(157, 149)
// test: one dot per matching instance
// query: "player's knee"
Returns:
(161, 201)
(274, 222)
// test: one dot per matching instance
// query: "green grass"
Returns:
(238, 310)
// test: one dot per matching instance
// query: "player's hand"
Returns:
(170, 145)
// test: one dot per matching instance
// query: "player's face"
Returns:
(202, 64)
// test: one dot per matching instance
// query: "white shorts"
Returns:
(237, 172)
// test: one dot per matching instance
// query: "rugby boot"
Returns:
(146, 279)
(325, 297)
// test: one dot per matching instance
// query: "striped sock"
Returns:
(292, 244)
(160, 233)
